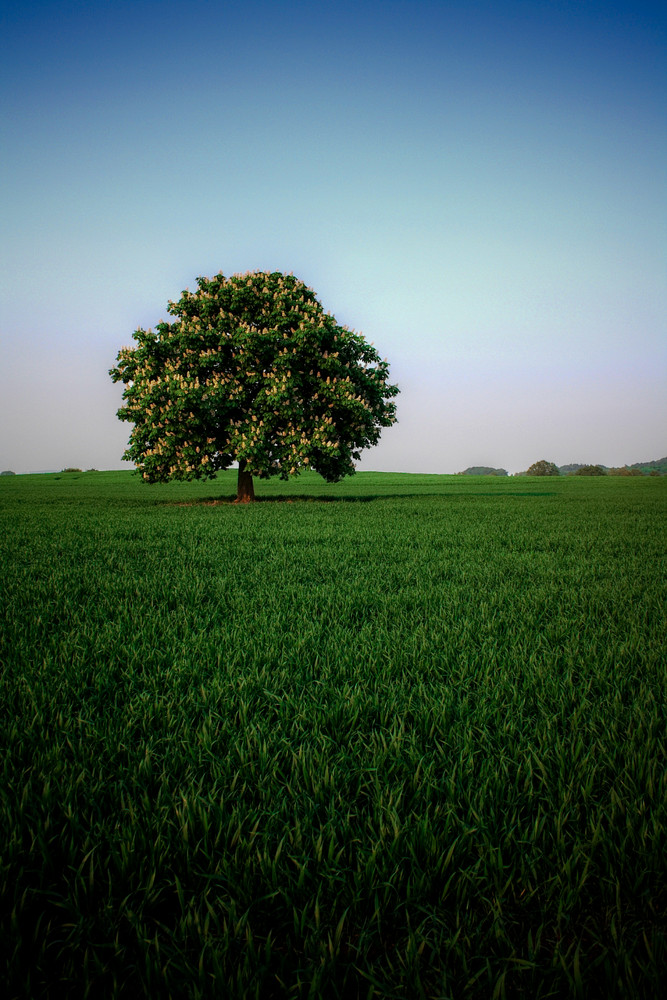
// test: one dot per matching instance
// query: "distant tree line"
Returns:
(544, 468)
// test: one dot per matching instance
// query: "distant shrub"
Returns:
(92, 470)
(71, 470)
(543, 468)
(590, 470)
(483, 470)
(7, 472)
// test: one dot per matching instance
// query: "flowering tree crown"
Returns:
(251, 370)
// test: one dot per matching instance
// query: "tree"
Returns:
(590, 470)
(482, 470)
(543, 468)
(252, 370)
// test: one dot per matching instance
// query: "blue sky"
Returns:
(478, 187)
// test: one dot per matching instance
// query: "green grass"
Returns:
(401, 737)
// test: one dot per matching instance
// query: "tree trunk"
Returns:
(245, 491)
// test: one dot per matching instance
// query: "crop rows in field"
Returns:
(401, 737)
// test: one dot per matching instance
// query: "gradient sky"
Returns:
(478, 187)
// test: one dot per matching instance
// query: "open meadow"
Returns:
(401, 737)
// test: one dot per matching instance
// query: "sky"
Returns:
(478, 187)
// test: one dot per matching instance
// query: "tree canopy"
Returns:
(543, 468)
(482, 470)
(590, 470)
(252, 370)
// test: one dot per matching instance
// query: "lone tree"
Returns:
(543, 468)
(254, 371)
(589, 470)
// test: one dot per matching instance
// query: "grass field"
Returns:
(401, 737)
